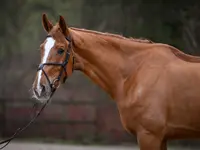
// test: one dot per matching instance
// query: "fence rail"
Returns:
(76, 120)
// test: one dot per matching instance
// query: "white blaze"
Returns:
(47, 48)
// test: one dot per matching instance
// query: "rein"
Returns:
(63, 65)
(53, 88)
(19, 130)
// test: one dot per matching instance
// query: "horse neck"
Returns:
(104, 60)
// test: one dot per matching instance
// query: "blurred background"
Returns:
(80, 112)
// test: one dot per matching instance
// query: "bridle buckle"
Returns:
(55, 83)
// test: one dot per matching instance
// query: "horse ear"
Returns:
(63, 26)
(46, 23)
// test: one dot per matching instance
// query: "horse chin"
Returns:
(42, 99)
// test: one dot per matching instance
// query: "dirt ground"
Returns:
(40, 146)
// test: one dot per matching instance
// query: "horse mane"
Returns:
(141, 40)
(183, 56)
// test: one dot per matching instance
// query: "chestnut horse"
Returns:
(156, 87)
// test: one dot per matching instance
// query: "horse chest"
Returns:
(139, 110)
(129, 115)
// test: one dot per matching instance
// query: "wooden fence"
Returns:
(79, 121)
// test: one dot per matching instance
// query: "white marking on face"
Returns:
(47, 48)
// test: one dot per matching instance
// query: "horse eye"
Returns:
(60, 51)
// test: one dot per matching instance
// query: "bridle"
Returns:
(63, 65)
(41, 67)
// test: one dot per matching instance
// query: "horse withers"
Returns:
(156, 87)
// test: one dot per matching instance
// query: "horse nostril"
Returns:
(42, 88)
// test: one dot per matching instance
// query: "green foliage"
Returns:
(161, 21)
(21, 29)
